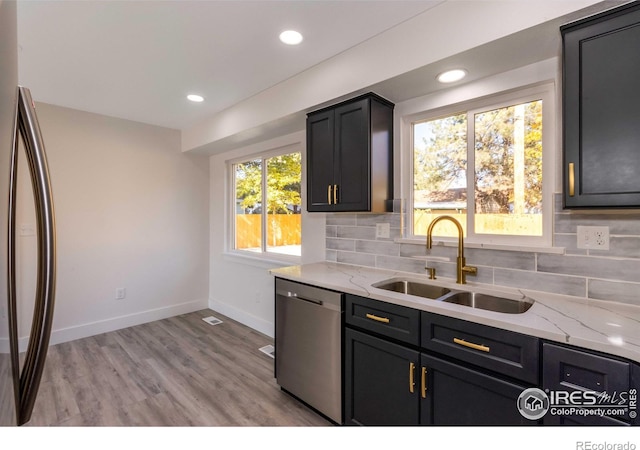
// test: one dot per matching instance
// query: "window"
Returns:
(484, 166)
(267, 205)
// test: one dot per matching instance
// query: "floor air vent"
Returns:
(269, 351)
(212, 320)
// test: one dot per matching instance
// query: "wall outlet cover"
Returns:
(383, 230)
(593, 238)
(27, 229)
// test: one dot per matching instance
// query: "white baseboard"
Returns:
(258, 324)
(103, 326)
(117, 323)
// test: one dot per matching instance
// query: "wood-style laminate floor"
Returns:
(179, 371)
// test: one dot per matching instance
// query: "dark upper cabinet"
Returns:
(601, 112)
(350, 157)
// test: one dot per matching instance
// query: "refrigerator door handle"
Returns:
(27, 126)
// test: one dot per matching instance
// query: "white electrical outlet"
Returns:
(593, 238)
(383, 230)
(121, 293)
(27, 229)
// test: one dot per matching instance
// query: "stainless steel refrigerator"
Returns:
(20, 374)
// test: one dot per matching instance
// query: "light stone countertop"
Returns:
(604, 326)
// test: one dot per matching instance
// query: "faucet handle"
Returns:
(470, 270)
(432, 272)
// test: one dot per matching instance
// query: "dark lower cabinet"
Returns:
(589, 421)
(457, 395)
(570, 371)
(380, 377)
(390, 384)
(406, 367)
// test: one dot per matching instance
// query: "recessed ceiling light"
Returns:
(195, 98)
(451, 76)
(291, 37)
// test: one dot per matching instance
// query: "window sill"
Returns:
(511, 248)
(263, 262)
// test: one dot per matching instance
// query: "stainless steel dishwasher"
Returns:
(309, 345)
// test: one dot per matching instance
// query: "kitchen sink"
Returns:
(458, 297)
(489, 302)
(413, 288)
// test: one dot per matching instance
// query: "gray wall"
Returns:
(606, 275)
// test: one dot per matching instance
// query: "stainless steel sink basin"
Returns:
(503, 304)
(489, 302)
(413, 288)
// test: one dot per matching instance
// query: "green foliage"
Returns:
(248, 178)
(533, 156)
(440, 156)
(442, 159)
(283, 183)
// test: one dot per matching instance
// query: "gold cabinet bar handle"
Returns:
(377, 318)
(329, 194)
(423, 383)
(412, 368)
(335, 194)
(572, 180)
(482, 348)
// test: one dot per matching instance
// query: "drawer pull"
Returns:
(412, 368)
(423, 383)
(329, 194)
(482, 348)
(377, 318)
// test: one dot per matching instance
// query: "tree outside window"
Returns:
(503, 147)
(268, 204)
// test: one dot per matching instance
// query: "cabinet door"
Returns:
(456, 395)
(601, 113)
(320, 159)
(380, 381)
(352, 164)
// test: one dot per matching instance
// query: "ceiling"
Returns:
(138, 60)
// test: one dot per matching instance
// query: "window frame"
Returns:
(264, 254)
(542, 91)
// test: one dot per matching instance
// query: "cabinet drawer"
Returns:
(572, 369)
(512, 354)
(386, 319)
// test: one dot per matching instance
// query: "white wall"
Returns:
(456, 27)
(132, 212)
(241, 287)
